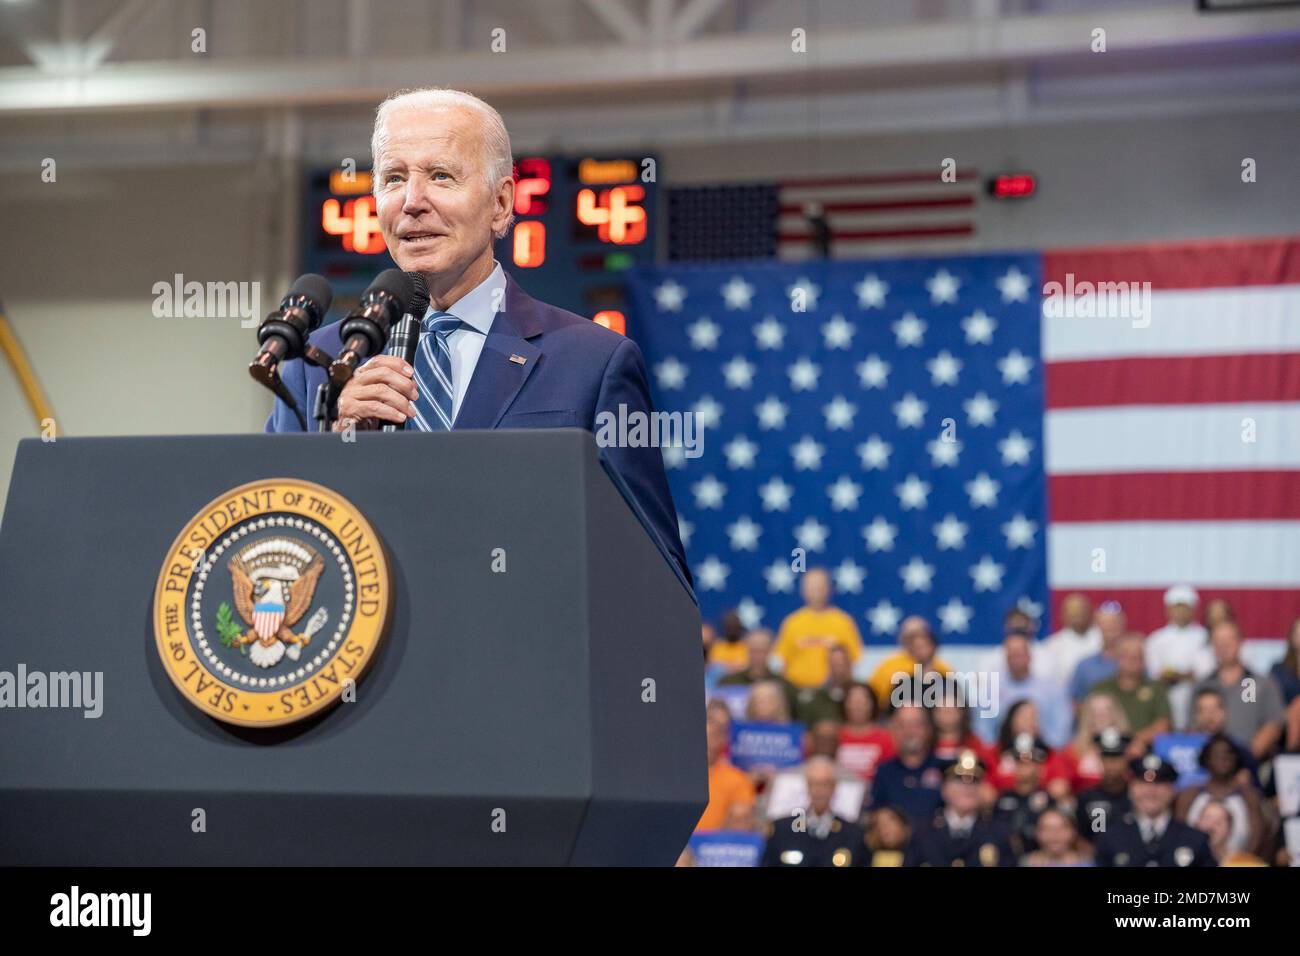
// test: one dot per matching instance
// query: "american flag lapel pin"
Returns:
(518, 359)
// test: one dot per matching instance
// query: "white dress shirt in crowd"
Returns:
(1152, 828)
(958, 825)
(819, 825)
(1185, 650)
(1056, 657)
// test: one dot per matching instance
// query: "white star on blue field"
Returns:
(884, 417)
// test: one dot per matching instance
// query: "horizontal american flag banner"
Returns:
(951, 441)
(861, 213)
(866, 210)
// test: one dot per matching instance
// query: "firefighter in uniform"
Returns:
(816, 836)
(1149, 835)
(959, 834)
(1108, 801)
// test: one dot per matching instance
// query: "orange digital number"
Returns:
(530, 244)
(614, 213)
(355, 222)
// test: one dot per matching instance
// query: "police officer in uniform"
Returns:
(1019, 808)
(816, 836)
(1107, 802)
(1149, 835)
(959, 834)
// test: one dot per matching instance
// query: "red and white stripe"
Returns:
(1144, 428)
(874, 211)
(267, 623)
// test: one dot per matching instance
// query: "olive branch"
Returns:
(228, 628)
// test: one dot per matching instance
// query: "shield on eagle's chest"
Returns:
(267, 618)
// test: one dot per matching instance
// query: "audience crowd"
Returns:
(1094, 746)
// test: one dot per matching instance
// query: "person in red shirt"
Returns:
(1080, 759)
(864, 744)
(953, 735)
(1022, 719)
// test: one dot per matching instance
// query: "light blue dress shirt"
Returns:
(477, 308)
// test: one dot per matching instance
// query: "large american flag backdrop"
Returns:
(948, 442)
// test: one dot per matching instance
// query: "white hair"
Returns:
(498, 161)
(819, 762)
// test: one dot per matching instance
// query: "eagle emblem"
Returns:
(273, 581)
(237, 648)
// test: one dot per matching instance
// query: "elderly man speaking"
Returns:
(490, 356)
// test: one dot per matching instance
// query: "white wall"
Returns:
(79, 261)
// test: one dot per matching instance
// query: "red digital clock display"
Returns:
(608, 200)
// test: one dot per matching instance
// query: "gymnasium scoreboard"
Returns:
(580, 223)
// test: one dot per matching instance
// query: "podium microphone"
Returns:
(365, 329)
(405, 338)
(283, 334)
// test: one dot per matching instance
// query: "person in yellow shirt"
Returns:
(729, 651)
(731, 793)
(918, 646)
(807, 636)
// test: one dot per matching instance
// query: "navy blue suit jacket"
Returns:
(574, 369)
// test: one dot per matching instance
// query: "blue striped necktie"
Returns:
(433, 407)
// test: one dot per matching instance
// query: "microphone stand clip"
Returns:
(325, 408)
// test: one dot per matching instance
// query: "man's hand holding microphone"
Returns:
(382, 390)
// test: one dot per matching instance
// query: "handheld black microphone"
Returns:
(283, 334)
(405, 338)
(365, 329)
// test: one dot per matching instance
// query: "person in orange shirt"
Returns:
(807, 636)
(731, 794)
(917, 645)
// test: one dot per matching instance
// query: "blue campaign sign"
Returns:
(726, 848)
(756, 744)
(1183, 751)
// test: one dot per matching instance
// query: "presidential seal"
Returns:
(271, 603)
